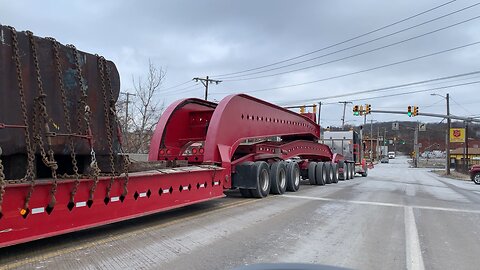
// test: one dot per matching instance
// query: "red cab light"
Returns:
(201, 150)
(162, 152)
(169, 152)
(194, 151)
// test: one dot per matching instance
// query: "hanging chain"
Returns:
(30, 174)
(3, 183)
(113, 111)
(107, 113)
(66, 113)
(41, 105)
(86, 117)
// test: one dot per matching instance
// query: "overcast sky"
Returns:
(199, 38)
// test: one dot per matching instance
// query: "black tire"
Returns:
(476, 178)
(278, 178)
(245, 193)
(347, 171)
(328, 173)
(335, 173)
(352, 167)
(320, 172)
(341, 165)
(293, 176)
(260, 171)
(311, 173)
(365, 174)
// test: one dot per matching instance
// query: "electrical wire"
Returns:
(398, 86)
(354, 55)
(339, 43)
(177, 85)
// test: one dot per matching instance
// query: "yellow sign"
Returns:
(457, 135)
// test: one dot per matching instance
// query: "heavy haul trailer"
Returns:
(199, 148)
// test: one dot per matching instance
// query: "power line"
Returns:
(175, 86)
(339, 43)
(183, 90)
(388, 87)
(364, 70)
(350, 56)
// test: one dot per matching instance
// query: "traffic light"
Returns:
(368, 108)
(415, 110)
(361, 110)
(355, 110)
(409, 111)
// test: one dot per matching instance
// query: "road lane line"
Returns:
(413, 250)
(121, 236)
(383, 204)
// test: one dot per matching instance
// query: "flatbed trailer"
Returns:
(199, 150)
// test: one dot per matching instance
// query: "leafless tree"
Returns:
(144, 109)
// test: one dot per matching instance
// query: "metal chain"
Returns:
(83, 104)
(47, 156)
(3, 183)
(107, 113)
(29, 176)
(113, 111)
(66, 112)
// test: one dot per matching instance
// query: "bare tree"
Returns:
(144, 110)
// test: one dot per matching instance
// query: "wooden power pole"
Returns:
(205, 82)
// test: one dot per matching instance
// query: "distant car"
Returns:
(391, 155)
(475, 174)
(384, 159)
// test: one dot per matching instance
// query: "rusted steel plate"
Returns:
(12, 140)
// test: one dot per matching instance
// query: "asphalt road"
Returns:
(396, 218)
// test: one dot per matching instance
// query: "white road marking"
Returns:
(413, 251)
(383, 204)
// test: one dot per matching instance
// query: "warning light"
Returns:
(23, 211)
(194, 151)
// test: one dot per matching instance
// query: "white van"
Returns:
(391, 155)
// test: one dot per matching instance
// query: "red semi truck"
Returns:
(199, 148)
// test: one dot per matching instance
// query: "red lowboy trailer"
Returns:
(199, 150)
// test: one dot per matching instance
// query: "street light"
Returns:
(447, 139)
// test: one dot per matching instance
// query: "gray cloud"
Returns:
(199, 38)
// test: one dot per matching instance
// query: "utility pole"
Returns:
(344, 107)
(125, 135)
(205, 82)
(449, 122)
(466, 159)
(319, 111)
(415, 146)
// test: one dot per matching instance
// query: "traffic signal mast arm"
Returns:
(468, 119)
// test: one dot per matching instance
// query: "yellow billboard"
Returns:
(457, 135)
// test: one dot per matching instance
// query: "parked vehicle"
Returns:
(384, 159)
(475, 174)
(391, 155)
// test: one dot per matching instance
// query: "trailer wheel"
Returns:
(245, 193)
(278, 178)
(342, 175)
(311, 173)
(321, 173)
(262, 177)
(293, 176)
(328, 173)
(347, 171)
(335, 173)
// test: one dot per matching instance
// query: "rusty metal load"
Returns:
(57, 105)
